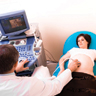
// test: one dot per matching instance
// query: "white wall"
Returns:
(57, 19)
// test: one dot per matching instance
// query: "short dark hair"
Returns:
(87, 38)
(8, 57)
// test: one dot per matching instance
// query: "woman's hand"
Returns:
(72, 66)
(61, 68)
(20, 66)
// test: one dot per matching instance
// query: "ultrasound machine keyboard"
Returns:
(25, 52)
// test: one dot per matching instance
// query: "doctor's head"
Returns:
(8, 58)
(83, 41)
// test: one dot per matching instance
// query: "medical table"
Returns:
(71, 42)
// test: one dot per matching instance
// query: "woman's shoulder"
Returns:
(73, 49)
(92, 49)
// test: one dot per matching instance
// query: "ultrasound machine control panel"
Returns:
(25, 49)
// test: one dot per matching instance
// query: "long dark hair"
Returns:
(87, 38)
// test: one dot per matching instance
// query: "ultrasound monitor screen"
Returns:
(13, 24)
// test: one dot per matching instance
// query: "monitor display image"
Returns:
(13, 23)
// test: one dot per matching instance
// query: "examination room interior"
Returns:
(56, 20)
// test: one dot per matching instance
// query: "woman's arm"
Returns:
(62, 60)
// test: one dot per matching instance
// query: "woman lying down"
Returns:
(84, 81)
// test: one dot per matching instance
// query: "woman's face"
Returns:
(82, 43)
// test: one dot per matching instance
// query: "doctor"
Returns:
(11, 85)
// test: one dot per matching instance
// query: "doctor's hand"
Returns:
(20, 66)
(74, 65)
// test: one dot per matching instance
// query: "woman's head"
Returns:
(83, 40)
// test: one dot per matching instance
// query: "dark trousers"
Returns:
(82, 84)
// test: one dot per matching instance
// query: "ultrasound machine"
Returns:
(13, 27)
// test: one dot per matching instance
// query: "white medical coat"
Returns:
(12, 85)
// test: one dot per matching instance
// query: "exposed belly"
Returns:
(86, 63)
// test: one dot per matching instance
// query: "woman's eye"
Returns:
(78, 40)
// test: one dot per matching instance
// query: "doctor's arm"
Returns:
(53, 87)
